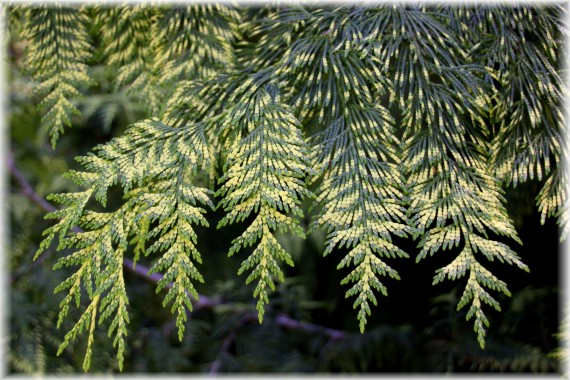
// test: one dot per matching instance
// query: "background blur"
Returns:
(415, 329)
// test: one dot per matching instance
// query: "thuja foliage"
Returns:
(394, 122)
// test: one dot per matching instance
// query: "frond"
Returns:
(57, 51)
(266, 166)
(362, 203)
(154, 164)
(523, 43)
(274, 29)
(323, 79)
(128, 45)
(457, 206)
(413, 45)
(174, 205)
(197, 41)
(454, 201)
(335, 86)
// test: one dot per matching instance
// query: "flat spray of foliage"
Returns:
(396, 122)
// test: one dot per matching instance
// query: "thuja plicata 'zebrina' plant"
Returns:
(395, 122)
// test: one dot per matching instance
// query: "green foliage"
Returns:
(527, 108)
(128, 46)
(153, 163)
(362, 205)
(264, 174)
(154, 48)
(197, 41)
(57, 52)
(399, 121)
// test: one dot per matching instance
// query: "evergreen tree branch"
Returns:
(202, 302)
(56, 58)
(360, 188)
(196, 41)
(265, 174)
(454, 199)
(129, 265)
(128, 46)
(472, 93)
(148, 158)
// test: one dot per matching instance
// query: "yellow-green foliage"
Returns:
(130, 47)
(155, 164)
(399, 121)
(196, 41)
(56, 57)
(265, 169)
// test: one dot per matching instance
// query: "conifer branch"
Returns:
(128, 46)
(362, 205)
(527, 113)
(57, 51)
(453, 198)
(407, 119)
(196, 41)
(148, 158)
(360, 192)
(265, 175)
(199, 302)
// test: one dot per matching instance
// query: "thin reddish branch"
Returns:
(226, 344)
(285, 321)
(203, 302)
(25, 187)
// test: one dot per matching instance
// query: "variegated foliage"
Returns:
(400, 121)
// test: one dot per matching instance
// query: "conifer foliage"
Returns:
(58, 50)
(397, 122)
(264, 174)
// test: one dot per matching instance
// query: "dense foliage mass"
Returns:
(375, 125)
